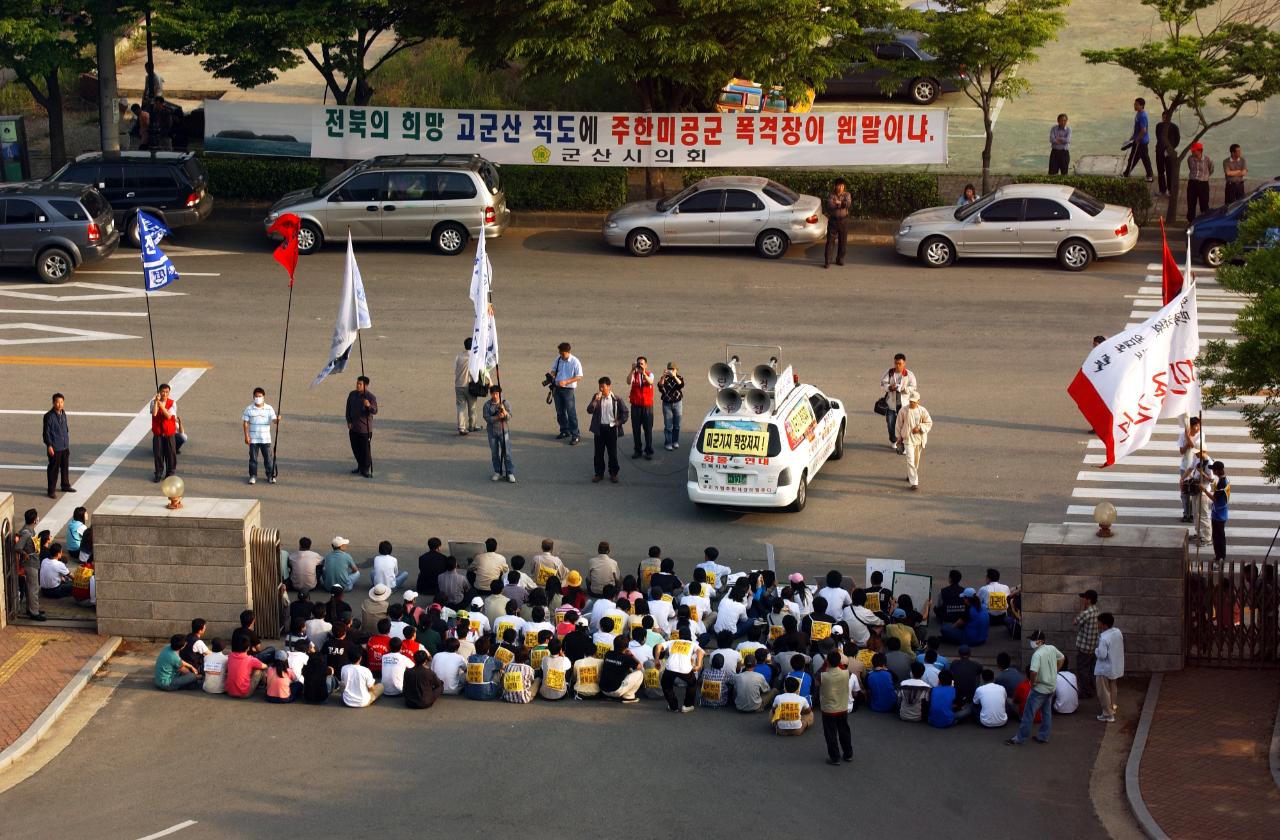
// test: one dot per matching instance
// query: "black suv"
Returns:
(864, 78)
(172, 186)
(54, 227)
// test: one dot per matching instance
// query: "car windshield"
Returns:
(489, 174)
(978, 206)
(668, 203)
(783, 195)
(332, 184)
(94, 203)
(1086, 202)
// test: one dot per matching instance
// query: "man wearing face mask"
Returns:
(1045, 663)
(258, 417)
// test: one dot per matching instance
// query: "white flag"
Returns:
(1141, 375)
(353, 316)
(484, 331)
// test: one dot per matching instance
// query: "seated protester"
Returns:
(764, 666)
(800, 670)
(510, 620)
(297, 656)
(431, 630)
(991, 701)
(1008, 677)
(194, 649)
(579, 644)
(950, 606)
(536, 624)
(621, 675)
(301, 608)
(586, 677)
(913, 695)
(652, 637)
(84, 586)
(297, 630)
(540, 650)
(775, 618)
(602, 605)
(359, 688)
(75, 532)
(248, 628)
(421, 685)
(450, 667)
(1066, 694)
(335, 649)
(931, 668)
(519, 683)
(791, 712)
(574, 594)
(317, 629)
(337, 608)
(821, 624)
(912, 617)
(603, 639)
(837, 599)
(642, 652)
(374, 608)
(621, 615)
(880, 685)
(683, 661)
(731, 613)
(860, 657)
(897, 660)
(412, 612)
(395, 662)
(282, 682)
(751, 691)
(943, 709)
(662, 610)
(484, 673)
(517, 566)
(318, 680)
(244, 672)
(478, 619)
(508, 650)
(714, 572)
(791, 639)
(879, 598)
(55, 577)
(171, 673)
(409, 644)
(1013, 616)
(995, 597)
(977, 621)
(932, 644)
(215, 669)
(494, 604)
(698, 605)
(555, 672)
(862, 622)
(395, 613)
(966, 675)
(514, 589)
(901, 629)
(538, 597)
(666, 579)
(566, 623)
(379, 645)
(716, 683)
(724, 646)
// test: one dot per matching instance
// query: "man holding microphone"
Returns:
(608, 415)
(496, 412)
(641, 382)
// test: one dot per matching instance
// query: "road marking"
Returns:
(1172, 446)
(70, 312)
(114, 455)
(69, 413)
(1167, 496)
(1173, 512)
(1174, 463)
(30, 467)
(60, 335)
(1203, 316)
(86, 362)
(1165, 478)
(99, 291)
(183, 274)
(173, 829)
(30, 648)
(1218, 431)
(1200, 272)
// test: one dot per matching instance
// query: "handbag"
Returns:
(882, 406)
(477, 389)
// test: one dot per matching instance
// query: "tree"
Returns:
(1252, 366)
(250, 43)
(981, 43)
(38, 40)
(1235, 57)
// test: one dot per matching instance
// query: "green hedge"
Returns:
(1131, 192)
(885, 195)
(577, 188)
(240, 178)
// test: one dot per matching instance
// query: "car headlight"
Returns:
(904, 230)
(273, 215)
(610, 224)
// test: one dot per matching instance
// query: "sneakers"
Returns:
(684, 710)
(575, 440)
(253, 480)
(630, 699)
(271, 480)
(511, 479)
(495, 477)
(1107, 718)
(675, 445)
(668, 447)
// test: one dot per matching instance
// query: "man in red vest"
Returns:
(164, 428)
(641, 382)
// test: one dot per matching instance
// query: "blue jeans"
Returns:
(500, 454)
(181, 681)
(891, 420)
(1036, 702)
(671, 423)
(953, 634)
(265, 449)
(401, 577)
(351, 581)
(566, 410)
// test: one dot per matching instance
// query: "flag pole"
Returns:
(356, 304)
(284, 354)
(155, 372)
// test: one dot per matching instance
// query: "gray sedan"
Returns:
(1021, 220)
(727, 211)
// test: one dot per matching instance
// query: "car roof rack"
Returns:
(455, 160)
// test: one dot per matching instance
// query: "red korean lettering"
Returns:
(1158, 380)
(688, 131)
(666, 130)
(711, 128)
(847, 130)
(746, 130)
(870, 128)
(642, 128)
(813, 129)
(918, 135)
(791, 130)
(621, 128)
(769, 130)
(893, 128)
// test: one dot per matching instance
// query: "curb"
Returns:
(54, 710)
(1132, 788)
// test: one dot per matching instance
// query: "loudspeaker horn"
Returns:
(729, 400)
(721, 375)
(757, 401)
(764, 377)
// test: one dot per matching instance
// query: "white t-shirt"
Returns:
(1066, 695)
(990, 698)
(728, 615)
(215, 673)
(317, 630)
(662, 612)
(791, 698)
(51, 572)
(259, 418)
(701, 603)
(397, 630)
(393, 667)
(621, 621)
(931, 674)
(449, 667)
(854, 688)
(562, 665)
(802, 605)
(356, 682)
(198, 646)
(536, 627)
(1188, 458)
(297, 660)
(858, 622)
(385, 569)
(681, 655)
(642, 652)
(598, 610)
(513, 622)
(732, 659)
(603, 638)
(838, 600)
(719, 570)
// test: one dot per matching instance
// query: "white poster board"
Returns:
(465, 552)
(918, 587)
(886, 567)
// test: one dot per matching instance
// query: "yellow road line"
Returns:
(114, 363)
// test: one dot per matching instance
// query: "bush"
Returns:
(1130, 192)
(883, 195)
(577, 188)
(239, 178)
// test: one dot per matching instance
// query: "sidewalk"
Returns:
(1205, 770)
(36, 664)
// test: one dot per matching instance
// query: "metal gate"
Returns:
(9, 567)
(1233, 613)
(265, 580)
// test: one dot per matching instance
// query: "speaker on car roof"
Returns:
(757, 401)
(721, 375)
(764, 377)
(729, 400)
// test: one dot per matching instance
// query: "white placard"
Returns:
(886, 567)
(918, 587)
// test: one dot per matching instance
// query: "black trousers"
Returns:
(1138, 152)
(59, 464)
(1059, 160)
(690, 690)
(1162, 169)
(362, 449)
(607, 441)
(165, 450)
(837, 233)
(1219, 540)
(1235, 191)
(1197, 193)
(642, 427)
(835, 729)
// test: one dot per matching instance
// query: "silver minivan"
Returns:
(444, 199)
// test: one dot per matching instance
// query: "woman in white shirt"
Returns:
(801, 597)
(1066, 694)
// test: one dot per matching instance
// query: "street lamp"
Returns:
(1104, 514)
(173, 487)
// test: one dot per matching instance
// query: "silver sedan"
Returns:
(726, 211)
(1021, 220)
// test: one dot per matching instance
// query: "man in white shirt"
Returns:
(717, 572)
(602, 571)
(684, 660)
(931, 668)
(698, 603)
(555, 673)
(55, 577)
(995, 597)
(215, 670)
(603, 638)
(642, 652)
(394, 664)
(663, 611)
(316, 629)
(510, 621)
(489, 565)
(386, 568)
(792, 714)
(861, 619)
(257, 419)
(1190, 441)
(359, 688)
(449, 667)
(602, 605)
(546, 564)
(731, 617)
(992, 701)
(297, 657)
(1108, 667)
(1066, 695)
(304, 566)
(839, 601)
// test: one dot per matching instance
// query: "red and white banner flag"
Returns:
(1136, 377)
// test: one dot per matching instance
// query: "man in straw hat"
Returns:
(912, 432)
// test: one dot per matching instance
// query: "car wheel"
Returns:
(1213, 253)
(772, 244)
(642, 242)
(937, 252)
(309, 238)
(924, 91)
(1075, 255)
(838, 452)
(450, 238)
(55, 266)
(131, 232)
(802, 493)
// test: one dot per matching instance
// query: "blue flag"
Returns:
(157, 269)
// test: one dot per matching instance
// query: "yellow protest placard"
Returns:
(693, 612)
(711, 579)
(789, 711)
(682, 648)
(531, 638)
(652, 679)
(555, 679)
(873, 601)
(602, 649)
(997, 601)
(542, 575)
(513, 681)
(475, 673)
(504, 656)
(588, 675)
(536, 656)
(667, 597)
(711, 690)
(865, 656)
(819, 630)
(776, 631)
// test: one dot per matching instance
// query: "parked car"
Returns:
(172, 186)
(864, 78)
(54, 227)
(748, 97)
(726, 211)
(1212, 232)
(443, 199)
(1021, 220)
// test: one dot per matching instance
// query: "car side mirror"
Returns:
(102, 185)
(675, 209)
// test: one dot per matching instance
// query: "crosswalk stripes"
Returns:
(1144, 487)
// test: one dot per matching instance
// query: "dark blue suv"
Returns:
(1213, 231)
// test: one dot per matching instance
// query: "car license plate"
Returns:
(736, 478)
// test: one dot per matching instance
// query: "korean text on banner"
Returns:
(1136, 377)
(157, 269)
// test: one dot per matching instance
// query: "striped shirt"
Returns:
(259, 418)
(517, 683)
(1199, 168)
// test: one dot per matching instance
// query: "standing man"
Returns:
(1221, 497)
(257, 418)
(361, 406)
(57, 443)
(1059, 146)
(641, 382)
(833, 691)
(913, 432)
(896, 382)
(608, 415)
(1235, 169)
(1139, 140)
(1188, 443)
(1108, 667)
(1086, 624)
(29, 560)
(1167, 139)
(671, 386)
(164, 426)
(496, 413)
(1199, 169)
(836, 205)
(566, 373)
(1045, 663)
(464, 400)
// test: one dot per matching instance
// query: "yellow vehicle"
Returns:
(745, 96)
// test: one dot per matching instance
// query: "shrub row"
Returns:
(575, 188)
(240, 178)
(1131, 192)
(886, 195)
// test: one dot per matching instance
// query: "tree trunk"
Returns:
(108, 113)
(645, 88)
(363, 91)
(1175, 167)
(986, 148)
(57, 134)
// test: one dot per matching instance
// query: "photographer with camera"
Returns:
(608, 415)
(496, 413)
(641, 381)
(565, 374)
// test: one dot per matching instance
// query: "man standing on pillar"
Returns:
(361, 406)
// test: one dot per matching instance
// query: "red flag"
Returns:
(1170, 274)
(286, 252)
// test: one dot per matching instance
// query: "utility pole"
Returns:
(104, 19)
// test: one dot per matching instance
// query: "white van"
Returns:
(753, 453)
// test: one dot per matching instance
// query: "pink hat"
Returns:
(796, 577)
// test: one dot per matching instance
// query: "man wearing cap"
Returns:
(912, 431)
(1087, 630)
(339, 568)
(1199, 170)
(1045, 663)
